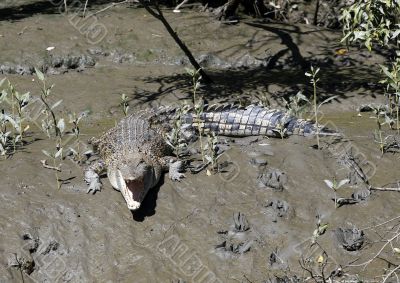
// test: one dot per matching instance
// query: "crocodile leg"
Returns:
(175, 169)
(92, 176)
(174, 166)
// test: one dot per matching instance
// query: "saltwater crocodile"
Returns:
(136, 153)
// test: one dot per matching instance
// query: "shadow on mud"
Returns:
(41, 7)
(148, 207)
(339, 75)
(247, 85)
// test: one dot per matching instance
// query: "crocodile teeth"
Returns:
(132, 191)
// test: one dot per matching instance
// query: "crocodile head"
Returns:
(134, 178)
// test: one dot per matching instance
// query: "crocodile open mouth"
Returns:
(133, 192)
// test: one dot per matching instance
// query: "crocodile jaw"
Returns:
(133, 191)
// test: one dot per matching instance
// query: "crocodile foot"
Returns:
(92, 177)
(175, 169)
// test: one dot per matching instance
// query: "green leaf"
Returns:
(191, 72)
(342, 182)
(301, 96)
(368, 44)
(359, 35)
(327, 100)
(322, 229)
(346, 37)
(47, 153)
(386, 72)
(58, 153)
(25, 97)
(56, 104)
(61, 125)
(329, 183)
(39, 74)
(12, 121)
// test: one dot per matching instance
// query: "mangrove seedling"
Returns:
(334, 185)
(74, 120)
(12, 128)
(124, 104)
(319, 231)
(211, 154)
(50, 121)
(198, 105)
(314, 80)
(175, 137)
(297, 105)
(56, 155)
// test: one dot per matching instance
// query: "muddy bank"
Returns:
(97, 238)
(253, 222)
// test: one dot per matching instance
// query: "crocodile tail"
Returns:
(249, 121)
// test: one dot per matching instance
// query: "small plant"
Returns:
(374, 23)
(281, 130)
(263, 100)
(74, 120)
(371, 21)
(56, 155)
(198, 105)
(314, 80)
(50, 122)
(6, 139)
(392, 82)
(313, 75)
(21, 101)
(124, 104)
(334, 185)
(319, 231)
(297, 105)
(381, 112)
(174, 137)
(211, 154)
(12, 124)
(378, 138)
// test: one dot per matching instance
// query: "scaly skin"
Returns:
(136, 154)
(251, 121)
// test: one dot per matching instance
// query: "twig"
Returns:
(20, 268)
(385, 189)
(244, 275)
(158, 14)
(45, 165)
(176, 10)
(365, 264)
(112, 5)
(84, 8)
(380, 224)
(390, 273)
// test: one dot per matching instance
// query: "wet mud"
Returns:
(252, 222)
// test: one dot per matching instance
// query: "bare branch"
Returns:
(385, 189)
(366, 263)
(390, 273)
(114, 4)
(45, 165)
